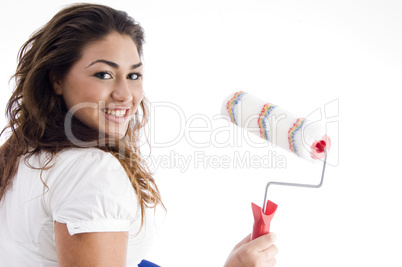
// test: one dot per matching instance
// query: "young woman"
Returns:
(74, 190)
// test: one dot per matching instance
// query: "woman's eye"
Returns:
(103, 75)
(134, 76)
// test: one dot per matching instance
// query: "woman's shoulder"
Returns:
(86, 172)
(88, 153)
(84, 165)
(88, 189)
(86, 158)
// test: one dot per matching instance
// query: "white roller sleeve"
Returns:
(280, 127)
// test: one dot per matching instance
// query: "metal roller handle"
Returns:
(295, 184)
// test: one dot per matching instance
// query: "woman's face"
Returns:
(104, 87)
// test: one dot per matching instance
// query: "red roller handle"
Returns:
(262, 221)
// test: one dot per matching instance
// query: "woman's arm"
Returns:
(90, 249)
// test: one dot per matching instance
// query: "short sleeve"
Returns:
(90, 191)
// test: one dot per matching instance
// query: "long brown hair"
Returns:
(36, 114)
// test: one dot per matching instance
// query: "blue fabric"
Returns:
(145, 263)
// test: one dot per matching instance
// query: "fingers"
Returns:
(266, 248)
(258, 252)
(243, 242)
(270, 253)
(263, 242)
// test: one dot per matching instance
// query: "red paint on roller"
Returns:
(262, 221)
(317, 148)
(320, 146)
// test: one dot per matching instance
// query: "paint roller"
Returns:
(305, 139)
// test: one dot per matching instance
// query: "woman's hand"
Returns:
(258, 252)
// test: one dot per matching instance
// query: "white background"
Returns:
(301, 55)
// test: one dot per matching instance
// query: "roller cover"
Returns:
(277, 125)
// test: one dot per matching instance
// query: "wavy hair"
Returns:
(36, 115)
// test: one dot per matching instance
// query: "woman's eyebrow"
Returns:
(112, 64)
(136, 65)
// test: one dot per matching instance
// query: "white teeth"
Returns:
(116, 113)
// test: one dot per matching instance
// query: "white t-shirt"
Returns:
(87, 189)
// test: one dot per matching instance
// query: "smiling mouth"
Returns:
(117, 112)
(116, 115)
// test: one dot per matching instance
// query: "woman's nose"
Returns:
(122, 92)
